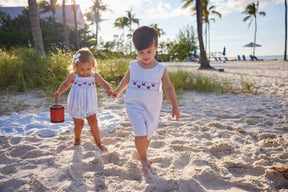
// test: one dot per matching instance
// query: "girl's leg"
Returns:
(93, 123)
(78, 125)
(141, 145)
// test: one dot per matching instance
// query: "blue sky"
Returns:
(229, 31)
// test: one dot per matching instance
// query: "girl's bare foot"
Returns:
(102, 147)
(77, 142)
(145, 164)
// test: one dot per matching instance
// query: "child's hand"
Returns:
(56, 94)
(175, 113)
(109, 92)
(115, 94)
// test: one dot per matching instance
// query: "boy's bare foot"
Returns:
(77, 142)
(145, 164)
(102, 147)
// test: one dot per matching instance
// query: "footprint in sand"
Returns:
(182, 161)
(35, 154)
(112, 157)
(157, 144)
(222, 149)
(19, 151)
(9, 169)
(238, 169)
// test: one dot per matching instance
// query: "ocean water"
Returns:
(266, 57)
(272, 57)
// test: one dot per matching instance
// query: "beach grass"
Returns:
(23, 69)
(210, 82)
(113, 70)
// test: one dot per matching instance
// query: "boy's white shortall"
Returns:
(144, 98)
(82, 99)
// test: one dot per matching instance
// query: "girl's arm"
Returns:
(104, 84)
(170, 93)
(122, 86)
(65, 85)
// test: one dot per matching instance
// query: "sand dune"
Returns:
(222, 142)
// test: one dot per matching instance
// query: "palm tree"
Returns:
(67, 43)
(94, 15)
(251, 11)
(206, 18)
(204, 63)
(159, 30)
(121, 23)
(35, 26)
(76, 25)
(131, 20)
(285, 51)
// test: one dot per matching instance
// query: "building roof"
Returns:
(15, 11)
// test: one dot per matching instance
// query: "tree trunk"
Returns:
(67, 43)
(285, 51)
(76, 27)
(35, 26)
(97, 22)
(255, 36)
(204, 63)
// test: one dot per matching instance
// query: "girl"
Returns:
(144, 94)
(82, 99)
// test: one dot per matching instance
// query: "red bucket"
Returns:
(57, 113)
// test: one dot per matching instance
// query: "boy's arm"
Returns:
(122, 86)
(170, 93)
(65, 85)
(104, 84)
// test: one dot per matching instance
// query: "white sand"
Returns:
(222, 142)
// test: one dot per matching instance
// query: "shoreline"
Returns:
(222, 142)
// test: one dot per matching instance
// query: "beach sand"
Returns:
(222, 142)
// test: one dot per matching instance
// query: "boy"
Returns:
(145, 79)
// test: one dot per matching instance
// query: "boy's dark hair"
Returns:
(144, 37)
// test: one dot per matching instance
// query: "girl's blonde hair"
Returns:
(84, 55)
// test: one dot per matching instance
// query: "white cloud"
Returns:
(226, 7)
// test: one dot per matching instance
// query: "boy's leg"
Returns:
(93, 123)
(147, 144)
(141, 145)
(78, 125)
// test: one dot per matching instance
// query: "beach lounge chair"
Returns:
(215, 58)
(226, 59)
(243, 57)
(251, 57)
(239, 58)
(219, 58)
(258, 59)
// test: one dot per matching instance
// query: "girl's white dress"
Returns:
(82, 99)
(144, 98)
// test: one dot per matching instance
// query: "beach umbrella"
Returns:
(195, 54)
(224, 51)
(251, 44)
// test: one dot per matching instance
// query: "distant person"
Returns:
(144, 94)
(82, 99)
